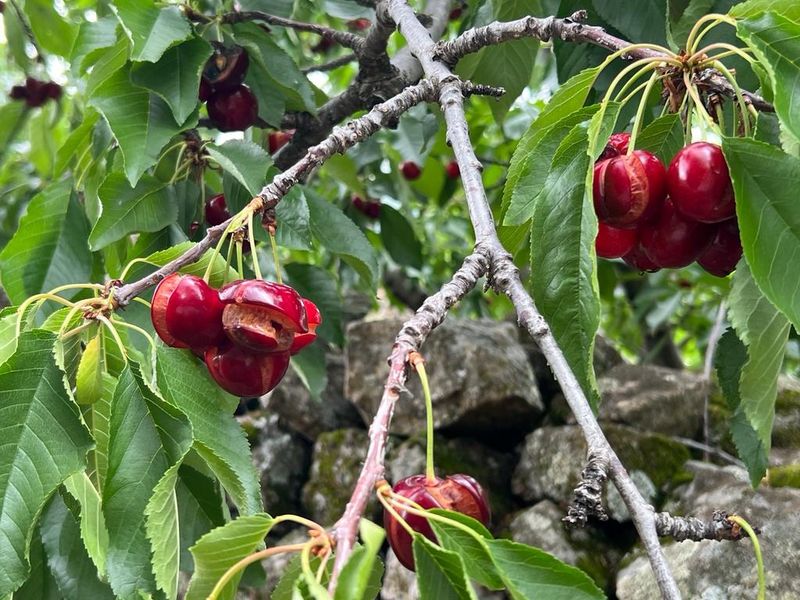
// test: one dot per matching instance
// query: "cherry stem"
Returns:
(739, 97)
(133, 262)
(418, 364)
(701, 109)
(249, 559)
(619, 95)
(392, 511)
(139, 330)
(730, 48)
(104, 320)
(254, 254)
(720, 116)
(274, 245)
(757, 549)
(637, 123)
(427, 514)
(166, 152)
(142, 301)
(694, 37)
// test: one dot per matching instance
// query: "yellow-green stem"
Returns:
(130, 264)
(388, 506)
(251, 558)
(730, 49)
(694, 37)
(720, 116)
(631, 81)
(757, 549)
(739, 96)
(430, 475)
(275, 258)
(253, 253)
(138, 329)
(115, 335)
(142, 301)
(698, 102)
(637, 123)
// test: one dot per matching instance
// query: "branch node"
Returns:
(587, 500)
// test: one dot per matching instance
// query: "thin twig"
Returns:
(331, 64)
(713, 339)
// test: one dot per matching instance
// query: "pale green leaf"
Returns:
(663, 137)
(681, 17)
(220, 272)
(246, 161)
(93, 524)
(151, 29)
(89, 384)
(293, 222)
(163, 530)
(440, 573)
(53, 32)
(97, 416)
(363, 569)
(399, 238)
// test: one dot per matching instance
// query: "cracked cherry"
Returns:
(699, 183)
(262, 316)
(278, 139)
(187, 312)
(671, 241)
(410, 170)
(301, 340)
(233, 110)
(217, 210)
(617, 144)
(458, 493)
(628, 189)
(243, 373)
(452, 170)
(724, 252)
(226, 69)
(612, 242)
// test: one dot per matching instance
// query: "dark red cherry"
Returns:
(724, 252)
(458, 493)
(324, 45)
(204, 91)
(244, 373)
(227, 67)
(638, 259)
(217, 210)
(233, 110)
(612, 242)
(671, 241)
(699, 183)
(628, 189)
(278, 139)
(452, 170)
(410, 170)
(187, 312)
(301, 340)
(358, 24)
(620, 141)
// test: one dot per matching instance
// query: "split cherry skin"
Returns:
(699, 183)
(628, 189)
(187, 312)
(458, 493)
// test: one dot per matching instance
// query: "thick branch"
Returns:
(719, 528)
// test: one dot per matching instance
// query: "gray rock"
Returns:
(336, 463)
(275, 566)
(727, 570)
(615, 506)
(541, 526)
(553, 457)
(293, 402)
(786, 427)
(282, 458)
(481, 381)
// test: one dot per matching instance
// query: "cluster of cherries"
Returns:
(457, 493)
(35, 92)
(231, 105)
(245, 331)
(656, 218)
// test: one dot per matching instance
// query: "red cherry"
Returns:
(278, 139)
(324, 45)
(358, 24)
(226, 69)
(628, 189)
(243, 373)
(724, 252)
(671, 241)
(620, 141)
(410, 170)
(608, 152)
(699, 183)
(458, 493)
(612, 242)
(18, 92)
(204, 91)
(217, 210)
(262, 316)
(301, 340)
(638, 259)
(452, 170)
(233, 110)
(187, 312)
(373, 209)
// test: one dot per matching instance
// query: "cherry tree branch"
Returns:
(331, 64)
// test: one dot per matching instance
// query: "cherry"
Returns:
(369, 208)
(187, 312)
(608, 152)
(724, 252)
(243, 373)
(628, 189)
(458, 493)
(612, 242)
(301, 340)
(456, 12)
(233, 110)
(227, 67)
(35, 92)
(671, 241)
(204, 91)
(410, 170)
(217, 210)
(699, 183)
(278, 139)
(620, 141)
(638, 259)
(324, 45)
(262, 316)
(358, 24)
(452, 170)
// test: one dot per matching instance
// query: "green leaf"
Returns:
(79, 139)
(8, 332)
(49, 248)
(681, 17)
(93, 524)
(12, 117)
(200, 504)
(151, 30)
(440, 573)
(399, 238)
(93, 36)
(729, 359)
(765, 331)
(753, 8)
(74, 572)
(309, 364)
(530, 573)
(563, 268)
(222, 548)
(473, 550)
(776, 43)
(163, 530)
(97, 417)
(319, 286)
(360, 578)
(220, 272)
(147, 436)
(644, 24)
(53, 32)
(109, 62)
(142, 122)
(176, 76)
(89, 384)
(40, 585)
(765, 180)
(246, 161)
(44, 442)
(294, 231)
(339, 235)
(218, 437)
(663, 137)
(149, 206)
